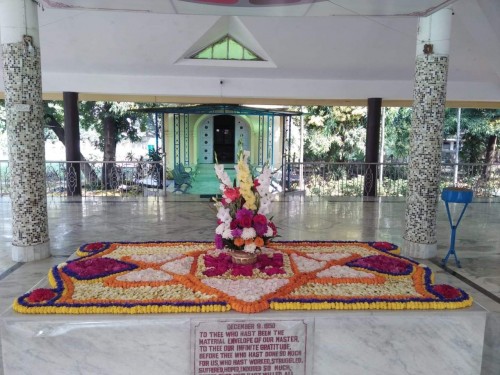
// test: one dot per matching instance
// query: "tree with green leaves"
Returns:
(54, 120)
(335, 134)
(480, 129)
(397, 133)
(113, 121)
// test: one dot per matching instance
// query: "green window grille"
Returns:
(226, 48)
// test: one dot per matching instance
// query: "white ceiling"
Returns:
(261, 8)
(334, 57)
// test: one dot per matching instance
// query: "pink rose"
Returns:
(232, 193)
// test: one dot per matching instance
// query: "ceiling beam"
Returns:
(274, 101)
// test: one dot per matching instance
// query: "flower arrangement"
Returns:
(182, 277)
(241, 213)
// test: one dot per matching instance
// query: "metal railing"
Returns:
(391, 179)
(125, 178)
(116, 178)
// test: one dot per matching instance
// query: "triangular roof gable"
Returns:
(234, 28)
(227, 48)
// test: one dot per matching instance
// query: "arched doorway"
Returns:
(224, 138)
(220, 135)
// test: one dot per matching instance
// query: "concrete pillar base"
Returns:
(419, 250)
(31, 253)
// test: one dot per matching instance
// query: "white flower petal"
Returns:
(220, 228)
(248, 233)
(250, 248)
(227, 234)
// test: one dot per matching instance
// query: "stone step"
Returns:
(206, 182)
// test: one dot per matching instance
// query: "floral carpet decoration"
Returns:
(174, 277)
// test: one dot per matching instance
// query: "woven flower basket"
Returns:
(241, 257)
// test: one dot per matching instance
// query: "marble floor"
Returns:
(74, 222)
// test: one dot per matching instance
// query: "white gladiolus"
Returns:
(222, 175)
(219, 169)
(221, 228)
(246, 155)
(224, 215)
(248, 233)
(250, 248)
(227, 234)
(265, 175)
(265, 207)
(263, 190)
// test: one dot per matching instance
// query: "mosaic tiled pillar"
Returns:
(426, 135)
(24, 118)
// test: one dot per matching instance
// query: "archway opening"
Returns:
(224, 138)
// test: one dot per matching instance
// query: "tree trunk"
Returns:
(109, 171)
(490, 154)
(88, 171)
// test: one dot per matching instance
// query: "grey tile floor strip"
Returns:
(467, 281)
(8, 271)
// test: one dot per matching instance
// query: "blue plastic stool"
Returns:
(455, 195)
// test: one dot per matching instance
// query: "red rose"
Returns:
(260, 219)
(245, 222)
(233, 224)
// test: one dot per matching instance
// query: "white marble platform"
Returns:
(339, 342)
(75, 222)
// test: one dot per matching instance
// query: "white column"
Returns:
(18, 18)
(435, 29)
(426, 137)
(24, 118)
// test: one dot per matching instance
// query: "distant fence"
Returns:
(124, 178)
(391, 179)
(117, 178)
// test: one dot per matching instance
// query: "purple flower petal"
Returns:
(96, 267)
(236, 232)
(219, 244)
(274, 271)
(384, 264)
